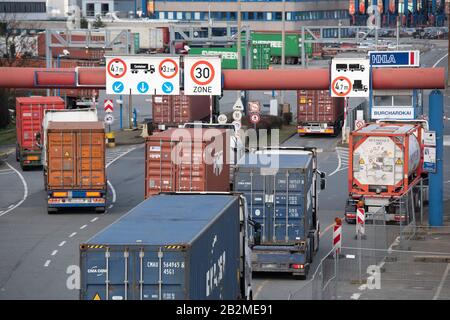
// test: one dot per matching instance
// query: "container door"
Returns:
(61, 159)
(160, 275)
(191, 175)
(90, 160)
(288, 209)
(31, 125)
(160, 168)
(107, 275)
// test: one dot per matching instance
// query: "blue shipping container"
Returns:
(279, 193)
(170, 246)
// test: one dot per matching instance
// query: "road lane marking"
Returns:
(62, 243)
(83, 226)
(110, 206)
(355, 296)
(25, 190)
(258, 291)
(54, 252)
(113, 192)
(10, 206)
(339, 164)
(72, 235)
(441, 284)
(120, 156)
(434, 66)
(95, 219)
(47, 263)
(1, 212)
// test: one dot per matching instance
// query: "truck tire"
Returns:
(52, 210)
(100, 209)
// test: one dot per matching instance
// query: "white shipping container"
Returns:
(380, 161)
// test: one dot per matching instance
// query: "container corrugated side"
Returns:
(204, 266)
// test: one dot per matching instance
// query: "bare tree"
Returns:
(15, 48)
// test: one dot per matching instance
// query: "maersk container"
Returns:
(171, 246)
(279, 193)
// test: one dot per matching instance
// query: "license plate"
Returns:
(269, 265)
(33, 158)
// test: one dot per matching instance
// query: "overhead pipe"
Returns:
(274, 79)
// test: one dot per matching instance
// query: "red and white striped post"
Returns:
(360, 221)
(337, 235)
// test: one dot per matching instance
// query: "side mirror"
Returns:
(38, 139)
(322, 183)
(322, 175)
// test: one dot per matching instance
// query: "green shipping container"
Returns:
(137, 43)
(260, 55)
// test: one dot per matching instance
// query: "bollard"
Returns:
(110, 139)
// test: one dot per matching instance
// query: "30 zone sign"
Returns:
(202, 76)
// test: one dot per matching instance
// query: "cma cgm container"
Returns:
(176, 110)
(187, 160)
(29, 116)
(281, 195)
(74, 168)
(385, 160)
(171, 247)
(319, 113)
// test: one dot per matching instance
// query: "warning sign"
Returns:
(202, 75)
(97, 297)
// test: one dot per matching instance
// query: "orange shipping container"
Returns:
(76, 156)
(187, 160)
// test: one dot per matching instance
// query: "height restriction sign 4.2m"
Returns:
(202, 75)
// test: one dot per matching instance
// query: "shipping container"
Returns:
(74, 163)
(29, 116)
(385, 160)
(171, 247)
(318, 112)
(170, 110)
(187, 160)
(280, 190)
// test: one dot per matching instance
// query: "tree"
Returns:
(83, 23)
(15, 47)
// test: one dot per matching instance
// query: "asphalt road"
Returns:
(36, 249)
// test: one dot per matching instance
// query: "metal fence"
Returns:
(403, 260)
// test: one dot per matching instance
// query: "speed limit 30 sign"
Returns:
(202, 75)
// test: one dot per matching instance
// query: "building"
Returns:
(23, 10)
(258, 14)
(122, 8)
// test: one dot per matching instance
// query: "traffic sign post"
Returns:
(143, 75)
(394, 58)
(337, 236)
(360, 223)
(202, 75)
(350, 77)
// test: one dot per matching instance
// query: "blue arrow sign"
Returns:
(167, 87)
(394, 58)
(142, 87)
(118, 87)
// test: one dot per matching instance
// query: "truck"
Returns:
(29, 116)
(74, 162)
(280, 186)
(385, 162)
(175, 246)
(319, 113)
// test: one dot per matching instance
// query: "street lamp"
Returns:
(58, 62)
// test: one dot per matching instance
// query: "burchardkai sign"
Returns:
(393, 113)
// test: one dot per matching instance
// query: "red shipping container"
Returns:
(176, 110)
(29, 116)
(318, 112)
(187, 160)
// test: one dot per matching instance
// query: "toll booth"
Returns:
(396, 104)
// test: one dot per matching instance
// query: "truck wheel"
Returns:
(100, 209)
(52, 210)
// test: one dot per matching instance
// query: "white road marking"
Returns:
(25, 190)
(47, 263)
(72, 235)
(120, 156)
(258, 291)
(95, 219)
(62, 243)
(355, 296)
(83, 226)
(1, 212)
(110, 206)
(113, 191)
(10, 206)
(446, 140)
(434, 66)
(54, 252)
(441, 284)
